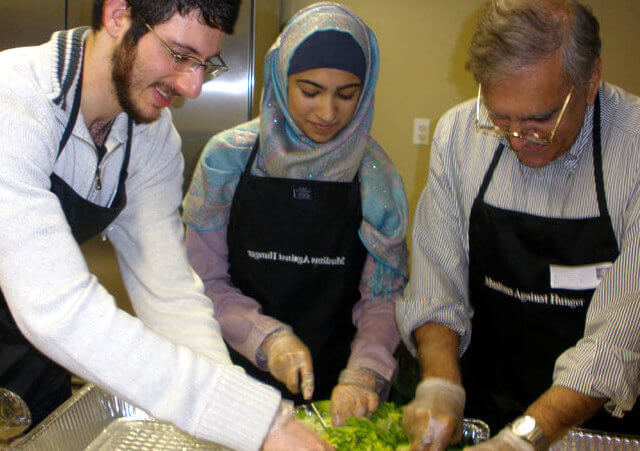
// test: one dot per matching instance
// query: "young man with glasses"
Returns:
(88, 147)
(527, 241)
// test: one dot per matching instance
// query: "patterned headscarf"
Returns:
(286, 152)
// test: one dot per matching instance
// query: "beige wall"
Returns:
(423, 51)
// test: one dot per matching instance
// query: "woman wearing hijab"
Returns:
(296, 221)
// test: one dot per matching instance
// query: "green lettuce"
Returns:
(381, 432)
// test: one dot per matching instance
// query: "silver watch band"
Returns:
(526, 428)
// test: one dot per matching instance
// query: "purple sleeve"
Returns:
(377, 334)
(243, 325)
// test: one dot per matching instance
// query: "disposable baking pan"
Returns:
(93, 419)
(584, 439)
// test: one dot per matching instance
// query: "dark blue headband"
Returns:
(329, 49)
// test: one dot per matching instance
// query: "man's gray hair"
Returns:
(514, 34)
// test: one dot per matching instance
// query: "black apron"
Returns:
(521, 325)
(42, 383)
(294, 247)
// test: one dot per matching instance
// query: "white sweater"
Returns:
(170, 360)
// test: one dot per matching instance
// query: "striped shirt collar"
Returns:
(68, 50)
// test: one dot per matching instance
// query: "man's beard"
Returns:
(123, 62)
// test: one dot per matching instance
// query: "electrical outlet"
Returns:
(421, 131)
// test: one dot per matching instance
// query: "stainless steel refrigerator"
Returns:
(227, 101)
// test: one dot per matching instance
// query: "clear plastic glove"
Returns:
(504, 441)
(289, 433)
(434, 418)
(289, 361)
(354, 396)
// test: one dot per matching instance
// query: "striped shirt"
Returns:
(605, 363)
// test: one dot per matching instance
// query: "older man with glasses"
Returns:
(87, 147)
(526, 245)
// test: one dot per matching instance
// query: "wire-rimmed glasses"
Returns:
(534, 135)
(213, 67)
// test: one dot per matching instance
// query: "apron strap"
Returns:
(252, 157)
(73, 116)
(597, 160)
(127, 152)
(489, 174)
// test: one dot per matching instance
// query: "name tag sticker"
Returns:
(584, 277)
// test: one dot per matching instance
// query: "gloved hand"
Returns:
(354, 396)
(288, 433)
(504, 441)
(289, 361)
(434, 418)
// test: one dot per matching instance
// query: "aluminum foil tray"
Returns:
(584, 439)
(93, 419)
(474, 431)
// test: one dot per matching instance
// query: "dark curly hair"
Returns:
(220, 14)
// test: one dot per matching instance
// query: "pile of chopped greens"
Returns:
(381, 432)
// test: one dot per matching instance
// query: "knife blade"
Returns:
(315, 411)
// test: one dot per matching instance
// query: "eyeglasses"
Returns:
(534, 136)
(188, 63)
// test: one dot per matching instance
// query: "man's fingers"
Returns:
(429, 433)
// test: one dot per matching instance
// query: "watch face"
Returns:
(524, 425)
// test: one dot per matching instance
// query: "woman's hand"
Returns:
(354, 396)
(289, 361)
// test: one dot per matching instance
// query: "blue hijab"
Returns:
(285, 151)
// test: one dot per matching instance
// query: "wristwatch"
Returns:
(526, 428)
